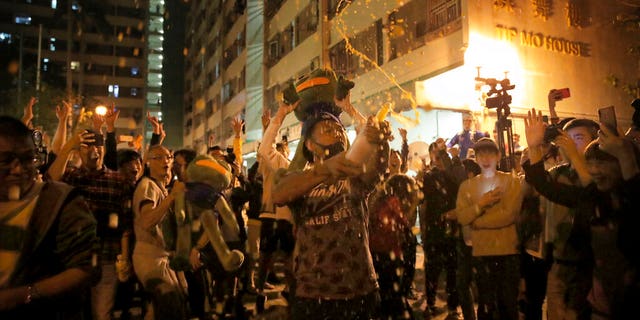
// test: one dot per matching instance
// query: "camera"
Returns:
(41, 150)
(230, 157)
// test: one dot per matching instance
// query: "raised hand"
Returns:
(613, 144)
(377, 132)
(155, 123)
(163, 134)
(63, 112)
(534, 128)
(284, 109)
(236, 124)
(81, 139)
(403, 133)
(97, 121)
(111, 117)
(28, 111)
(566, 144)
(266, 118)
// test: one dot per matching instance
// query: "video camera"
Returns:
(499, 99)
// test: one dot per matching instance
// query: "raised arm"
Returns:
(28, 112)
(57, 168)
(267, 152)
(621, 149)
(60, 137)
(237, 124)
(111, 145)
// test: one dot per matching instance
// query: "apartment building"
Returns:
(113, 50)
(425, 57)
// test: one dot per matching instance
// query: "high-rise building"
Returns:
(215, 79)
(103, 52)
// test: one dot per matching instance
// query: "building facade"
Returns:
(103, 52)
(429, 59)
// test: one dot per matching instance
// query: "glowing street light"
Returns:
(101, 110)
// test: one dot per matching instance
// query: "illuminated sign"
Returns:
(534, 39)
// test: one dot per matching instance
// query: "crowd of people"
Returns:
(94, 229)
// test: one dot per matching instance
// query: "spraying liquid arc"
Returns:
(342, 30)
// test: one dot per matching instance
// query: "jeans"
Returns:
(497, 278)
(103, 294)
(464, 276)
(441, 254)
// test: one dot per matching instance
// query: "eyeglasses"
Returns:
(165, 158)
(26, 159)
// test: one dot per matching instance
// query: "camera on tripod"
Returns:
(498, 98)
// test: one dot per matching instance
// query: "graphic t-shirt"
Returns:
(332, 260)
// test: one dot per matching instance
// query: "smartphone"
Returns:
(564, 93)
(607, 117)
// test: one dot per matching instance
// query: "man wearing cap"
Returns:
(108, 195)
(489, 203)
(467, 137)
(334, 274)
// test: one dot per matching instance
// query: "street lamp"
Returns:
(101, 110)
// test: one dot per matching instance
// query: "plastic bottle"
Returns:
(361, 148)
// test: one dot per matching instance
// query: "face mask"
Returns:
(332, 149)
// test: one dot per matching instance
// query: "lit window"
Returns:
(54, 4)
(75, 6)
(5, 37)
(45, 60)
(75, 65)
(23, 19)
(134, 92)
(110, 89)
(135, 71)
(116, 90)
(52, 47)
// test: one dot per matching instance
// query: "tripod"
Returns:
(499, 99)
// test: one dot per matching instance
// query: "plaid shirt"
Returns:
(108, 195)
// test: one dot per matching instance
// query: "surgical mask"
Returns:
(331, 149)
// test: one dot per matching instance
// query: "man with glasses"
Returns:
(108, 195)
(152, 205)
(47, 237)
